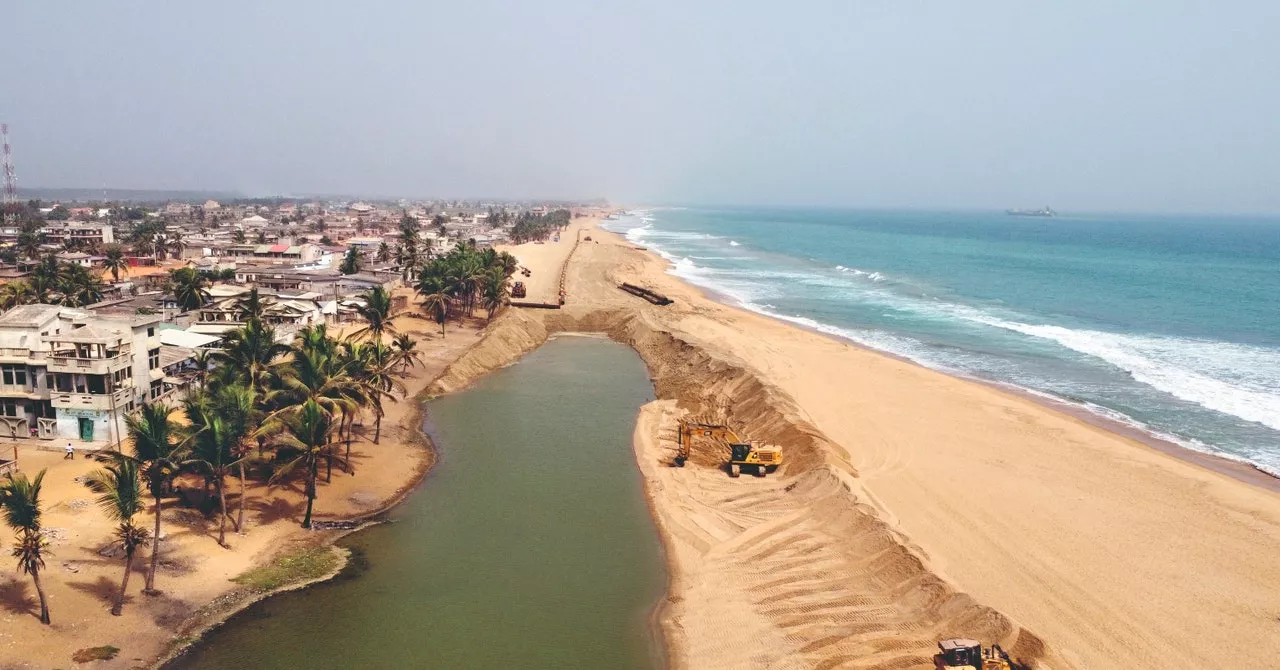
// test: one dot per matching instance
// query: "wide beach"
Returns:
(914, 505)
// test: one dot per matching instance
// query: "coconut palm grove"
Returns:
(261, 411)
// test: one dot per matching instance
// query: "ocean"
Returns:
(1170, 324)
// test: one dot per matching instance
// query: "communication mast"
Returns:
(10, 202)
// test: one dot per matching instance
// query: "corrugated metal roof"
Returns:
(279, 248)
(262, 249)
(293, 250)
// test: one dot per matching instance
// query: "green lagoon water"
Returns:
(529, 546)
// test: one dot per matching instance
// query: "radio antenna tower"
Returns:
(10, 202)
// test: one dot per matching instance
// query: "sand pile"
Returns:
(794, 570)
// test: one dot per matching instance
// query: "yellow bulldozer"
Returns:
(965, 654)
(761, 459)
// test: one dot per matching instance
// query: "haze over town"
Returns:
(1088, 105)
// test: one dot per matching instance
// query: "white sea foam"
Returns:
(734, 244)
(1235, 379)
(1238, 380)
(873, 276)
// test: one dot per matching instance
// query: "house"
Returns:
(89, 233)
(253, 221)
(76, 258)
(278, 254)
(73, 374)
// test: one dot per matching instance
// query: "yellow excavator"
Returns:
(965, 654)
(763, 459)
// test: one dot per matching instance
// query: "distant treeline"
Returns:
(530, 226)
(121, 195)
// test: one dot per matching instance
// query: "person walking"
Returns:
(71, 453)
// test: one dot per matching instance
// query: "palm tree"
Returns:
(214, 449)
(238, 237)
(508, 263)
(115, 261)
(376, 311)
(435, 297)
(318, 372)
(253, 306)
(384, 253)
(79, 286)
(188, 288)
(303, 442)
(238, 404)
(378, 379)
(494, 291)
(201, 358)
(29, 242)
(119, 492)
(252, 352)
(21, 502)
(351, 262)
(16, 293)
(406, 352)
(152, 434)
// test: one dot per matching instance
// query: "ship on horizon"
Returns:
(1044, 211)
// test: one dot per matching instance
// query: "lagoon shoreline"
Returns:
(593, 307)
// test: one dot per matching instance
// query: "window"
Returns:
(14, 375)
(9, 407)
(157, 387)
(62, 382)
(151, 332)
(153, 359)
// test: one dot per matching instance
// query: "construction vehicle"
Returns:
(964, 654)
(517, 290)
(763, 459)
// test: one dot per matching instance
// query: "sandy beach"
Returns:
(913, 505)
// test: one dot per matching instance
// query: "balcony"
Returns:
(90, 401)
(20, 355)
(88, 366)
(19, 391)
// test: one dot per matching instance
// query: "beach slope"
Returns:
(913, 506)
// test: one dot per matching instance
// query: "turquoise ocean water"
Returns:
(1167, 323)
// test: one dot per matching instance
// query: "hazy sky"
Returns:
(1080, 104)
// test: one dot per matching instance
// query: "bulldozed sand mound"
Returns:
(794, 570)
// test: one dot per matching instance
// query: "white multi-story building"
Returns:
(87, 232)
(69, 374)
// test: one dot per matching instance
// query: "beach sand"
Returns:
(195, 571)
(913, 506)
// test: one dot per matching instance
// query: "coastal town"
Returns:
(165, 356)
(153, 287)
(639, 336)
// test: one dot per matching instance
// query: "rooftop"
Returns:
(32, 315)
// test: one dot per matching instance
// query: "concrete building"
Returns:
(70, 374)
(279, 254)
(86, 232)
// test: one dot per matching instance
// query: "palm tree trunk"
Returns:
(150, 588)
(222, 523)
(118, 607)
(377, 428)
(346, 458)
(44, 603)
(240, 512)
(311, 492)
(351, 426)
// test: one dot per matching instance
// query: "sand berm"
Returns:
(913, 506)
